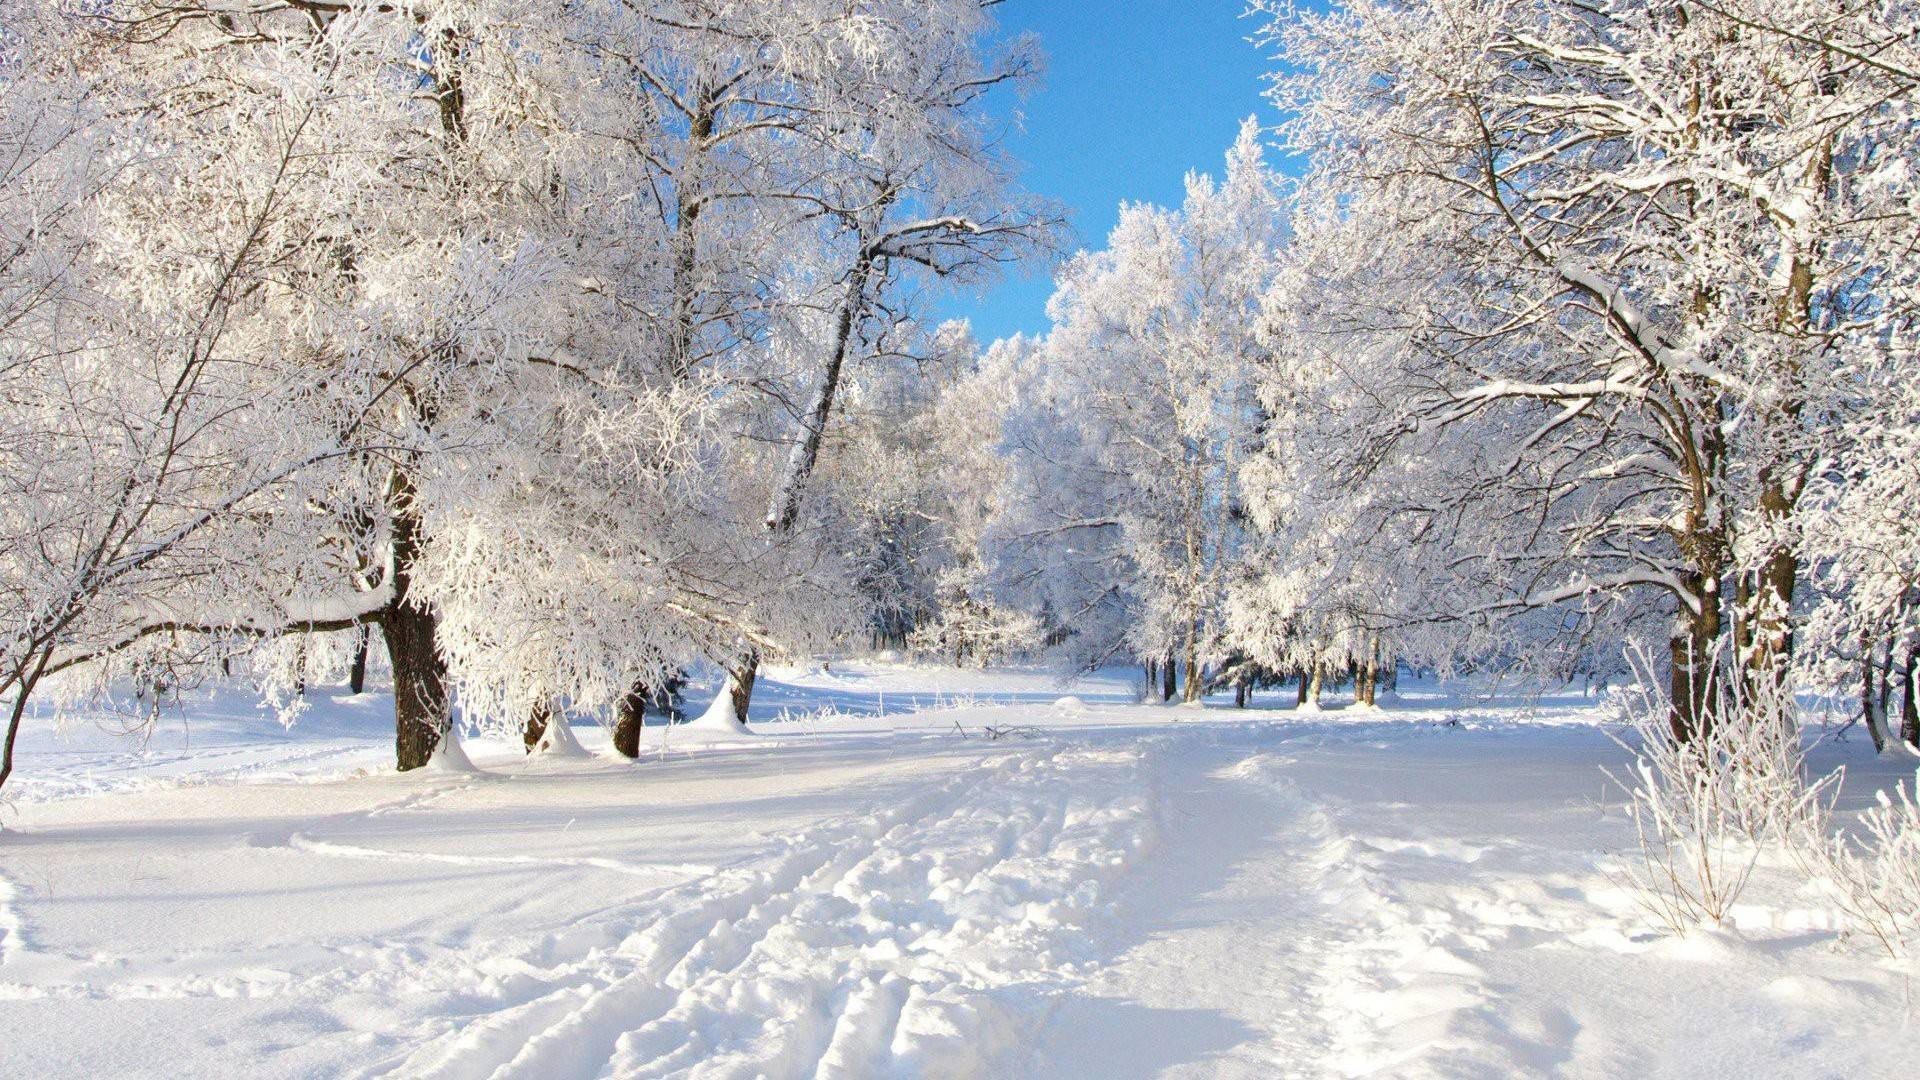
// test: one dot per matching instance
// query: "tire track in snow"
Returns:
(886, 944)
(559, 1026)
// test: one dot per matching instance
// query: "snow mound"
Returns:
(449, 756)
(1070, 703)
(717, 724)
(560, 741)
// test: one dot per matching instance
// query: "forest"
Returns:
(524, 367)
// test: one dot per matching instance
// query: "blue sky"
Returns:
(1137, 93)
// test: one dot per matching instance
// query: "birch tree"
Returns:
(1149, 361)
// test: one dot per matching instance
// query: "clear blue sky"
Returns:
(1137, 93)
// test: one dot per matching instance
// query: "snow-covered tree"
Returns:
(183, 381)
(1138, 414)
(1648, 240)
(511, 332)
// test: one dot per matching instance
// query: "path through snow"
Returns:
(1128, 892)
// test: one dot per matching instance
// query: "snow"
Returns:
(884, 889)
(716, 723)
(559, 740)
(449, 756)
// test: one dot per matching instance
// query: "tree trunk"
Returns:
(421, 706)
(1909, 708)
(1869, 698)
(1769, 645)
(689, 203)
(630, 721)
(1313, 694)
(536, 728)
(357, 675)
(1240, 695)
(1300, 697)
(1693, 672)
(25, 679)
(784, 508)
(15, 711)
(1168, 678)
(1363, 679)
(739, 684)
(1195, 684)
(1771, 612)
(1885, 691)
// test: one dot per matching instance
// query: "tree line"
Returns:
(1566, 325)
(559, 349)
(512, 337)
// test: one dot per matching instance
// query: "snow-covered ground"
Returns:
(918, 872)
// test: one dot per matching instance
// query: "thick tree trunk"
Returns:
(1240, 695)
(1769, 610)
(536, 728)
(739, 684)
(630, 721)
(1169, 676)
(421, 705)
(1300, 697)
(1313, 692)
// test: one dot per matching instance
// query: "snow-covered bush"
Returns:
(1705, 809)
(1874, 874)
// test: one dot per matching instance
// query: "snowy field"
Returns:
(878, 887)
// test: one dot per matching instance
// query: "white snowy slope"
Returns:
(877, 888)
